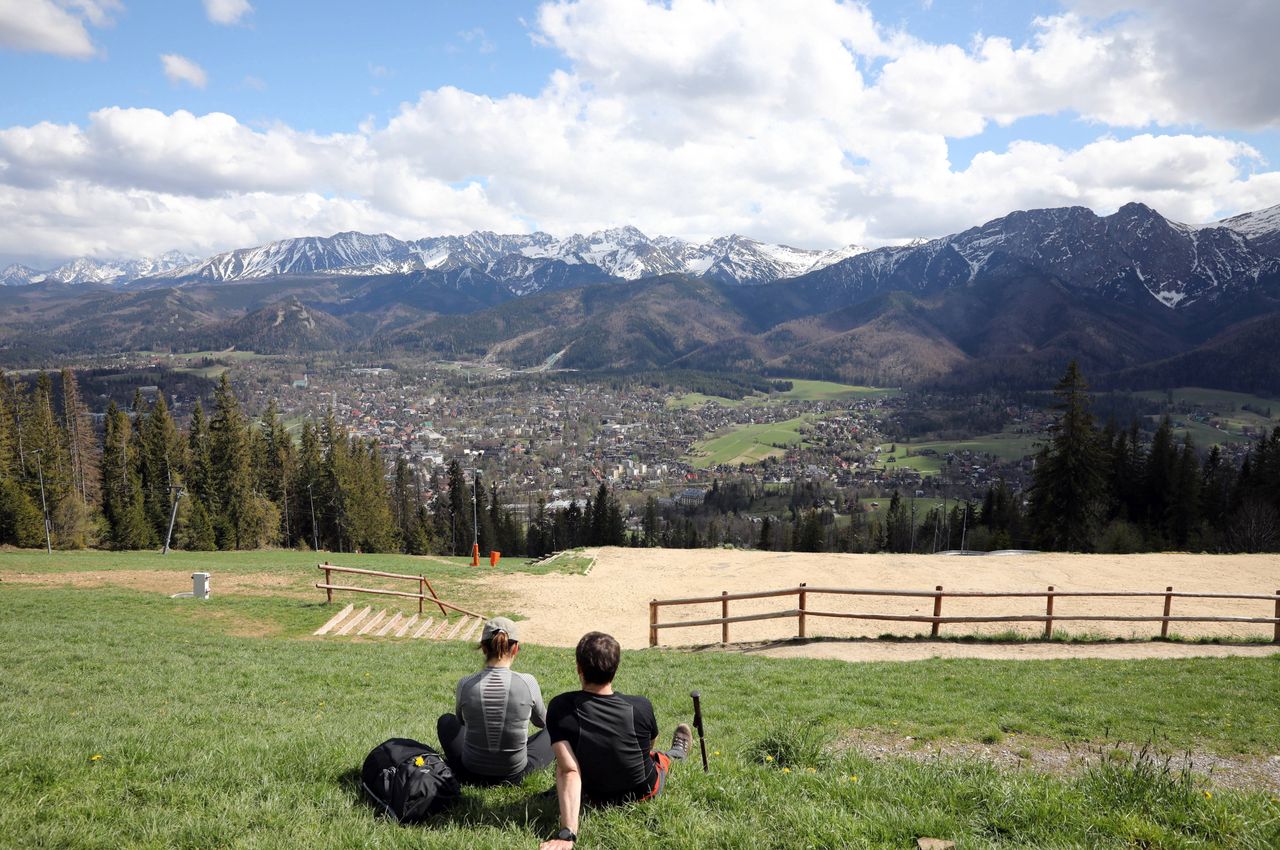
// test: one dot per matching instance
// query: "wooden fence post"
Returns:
(803, 599)
(1168, 603)
(653, 622)
(422, 592)
(724, 615)
(1276, 639)
(937, 612)
(328, 591)
(1048, 612)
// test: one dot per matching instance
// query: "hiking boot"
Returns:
(681, 741)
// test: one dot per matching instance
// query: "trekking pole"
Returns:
(697, 724)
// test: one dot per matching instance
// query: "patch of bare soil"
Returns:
(615, 596)
(167, 582)
(1237, 772)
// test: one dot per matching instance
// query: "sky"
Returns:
(133, 127)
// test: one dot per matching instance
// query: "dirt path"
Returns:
(1240, 772)
(615, 596)
(169, 581)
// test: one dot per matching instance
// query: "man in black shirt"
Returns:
(603, 741)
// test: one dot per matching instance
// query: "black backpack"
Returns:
(409, 780)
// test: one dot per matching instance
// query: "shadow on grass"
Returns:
(501, 807)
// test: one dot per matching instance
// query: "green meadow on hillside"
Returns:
(748, 443)
(130, 719)
(928, 457)
(801, 390)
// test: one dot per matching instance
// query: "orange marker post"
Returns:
(475, 554)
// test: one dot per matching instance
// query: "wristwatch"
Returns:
(566, 834)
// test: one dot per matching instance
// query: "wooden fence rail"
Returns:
(425, 590)
(803, 593)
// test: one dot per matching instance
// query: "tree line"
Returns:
(137, 479)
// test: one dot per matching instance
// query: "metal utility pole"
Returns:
(44, 505)
(173, 516)
(315, 540)
(475, 518)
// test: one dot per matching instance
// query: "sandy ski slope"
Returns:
(614, 597)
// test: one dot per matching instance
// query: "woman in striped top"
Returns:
(486, 740)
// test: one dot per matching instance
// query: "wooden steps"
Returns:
(367, 623)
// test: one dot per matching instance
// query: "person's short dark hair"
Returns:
(598, 656)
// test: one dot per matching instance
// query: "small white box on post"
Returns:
(200, 585)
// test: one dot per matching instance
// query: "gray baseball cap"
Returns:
(500, 624)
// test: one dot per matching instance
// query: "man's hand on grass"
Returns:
(556, 844)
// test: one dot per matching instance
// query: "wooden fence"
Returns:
(425, 590)
(802, 612)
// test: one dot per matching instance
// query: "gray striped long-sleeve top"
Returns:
(496, 706)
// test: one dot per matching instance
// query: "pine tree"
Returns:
(650, 524)
(1068, 486)
(237, 521)
(310, 467)
(1158, 481)
(122, 500)
(404, 507)
(274, 464)
(9, 468)
(82, 445)
(897, 526)
(766, 535)
(1183, 519)
(161, 459)
(49, 477)
(460, 509)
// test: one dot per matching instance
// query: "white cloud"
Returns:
(46, 26)
(227, 12)
(180, 69)
(1216, 60)
(809, 124)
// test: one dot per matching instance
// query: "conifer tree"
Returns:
(766, 535)
(274, 464)
(310, 466)
(1068, 483)
(160, 463)
(21, 523)
(237, 522)
(459, 509)
(122, 500)
(82, 444)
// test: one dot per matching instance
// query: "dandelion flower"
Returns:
(716, 753)
(768, 758)
(96, 757)
(419, 761)
(853, 779)
(1208, 796)
(786, 770)
(811, 770)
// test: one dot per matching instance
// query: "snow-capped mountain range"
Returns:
(1129, 256)
(623, 253)
(88, 270)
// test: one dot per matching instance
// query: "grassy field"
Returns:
(830, 391)
(1003, 446)
(688, 400)
(1224, 401)
(801, 390)
(748, 444)
(133, 720)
